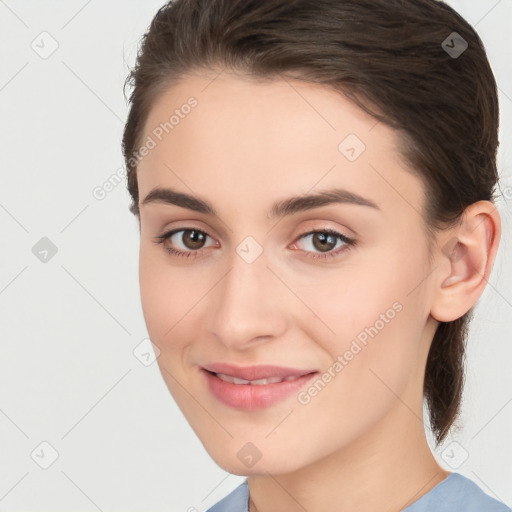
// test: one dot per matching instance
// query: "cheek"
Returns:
(165, 298)
(375, 364)
(175, 302)
(375, 315)
(358, 301)
(168, 299)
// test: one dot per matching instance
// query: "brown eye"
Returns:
(193, 239)
(188, 242)
(324, 241)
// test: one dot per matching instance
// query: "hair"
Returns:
(388, 57)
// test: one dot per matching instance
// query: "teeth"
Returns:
(233, 380)
(258, 382)
(270, 380)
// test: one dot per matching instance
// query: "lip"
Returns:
(255, 396)
(257, 371)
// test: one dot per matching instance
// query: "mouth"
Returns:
(256, 382)
(255, 373)
(259, 391)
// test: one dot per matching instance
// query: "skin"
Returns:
(359, 443)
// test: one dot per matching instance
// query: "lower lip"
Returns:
(253, 396)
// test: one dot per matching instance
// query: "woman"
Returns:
(314, 183)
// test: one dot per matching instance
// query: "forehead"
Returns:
(278, 111)
(214, 131)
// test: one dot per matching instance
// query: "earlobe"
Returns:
(465, 261)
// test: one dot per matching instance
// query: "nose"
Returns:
(248, 306)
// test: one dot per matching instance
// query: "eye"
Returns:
(328, 242)
(185, 242)
(190, 242)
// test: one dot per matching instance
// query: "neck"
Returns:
(385, 465)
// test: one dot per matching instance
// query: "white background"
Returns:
(68, 374)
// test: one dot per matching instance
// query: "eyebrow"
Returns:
(281, 208)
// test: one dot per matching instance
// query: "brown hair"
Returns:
(391, 58)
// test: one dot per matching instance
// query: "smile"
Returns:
(257, 382)
(256, 393)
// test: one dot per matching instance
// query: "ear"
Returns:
(464, 261)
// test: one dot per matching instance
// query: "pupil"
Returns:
(324, 241)
(193, 239)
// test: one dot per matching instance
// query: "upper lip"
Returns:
(255, 372)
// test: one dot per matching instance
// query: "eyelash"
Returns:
(349, 243)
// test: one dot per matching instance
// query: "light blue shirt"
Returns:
(455, 493)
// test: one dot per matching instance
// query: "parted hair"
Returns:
(392, 58)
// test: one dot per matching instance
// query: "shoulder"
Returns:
(236, 501)
(456, 493)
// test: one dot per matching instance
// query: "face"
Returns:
(248, 273)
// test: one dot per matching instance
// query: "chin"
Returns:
(263, 466)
